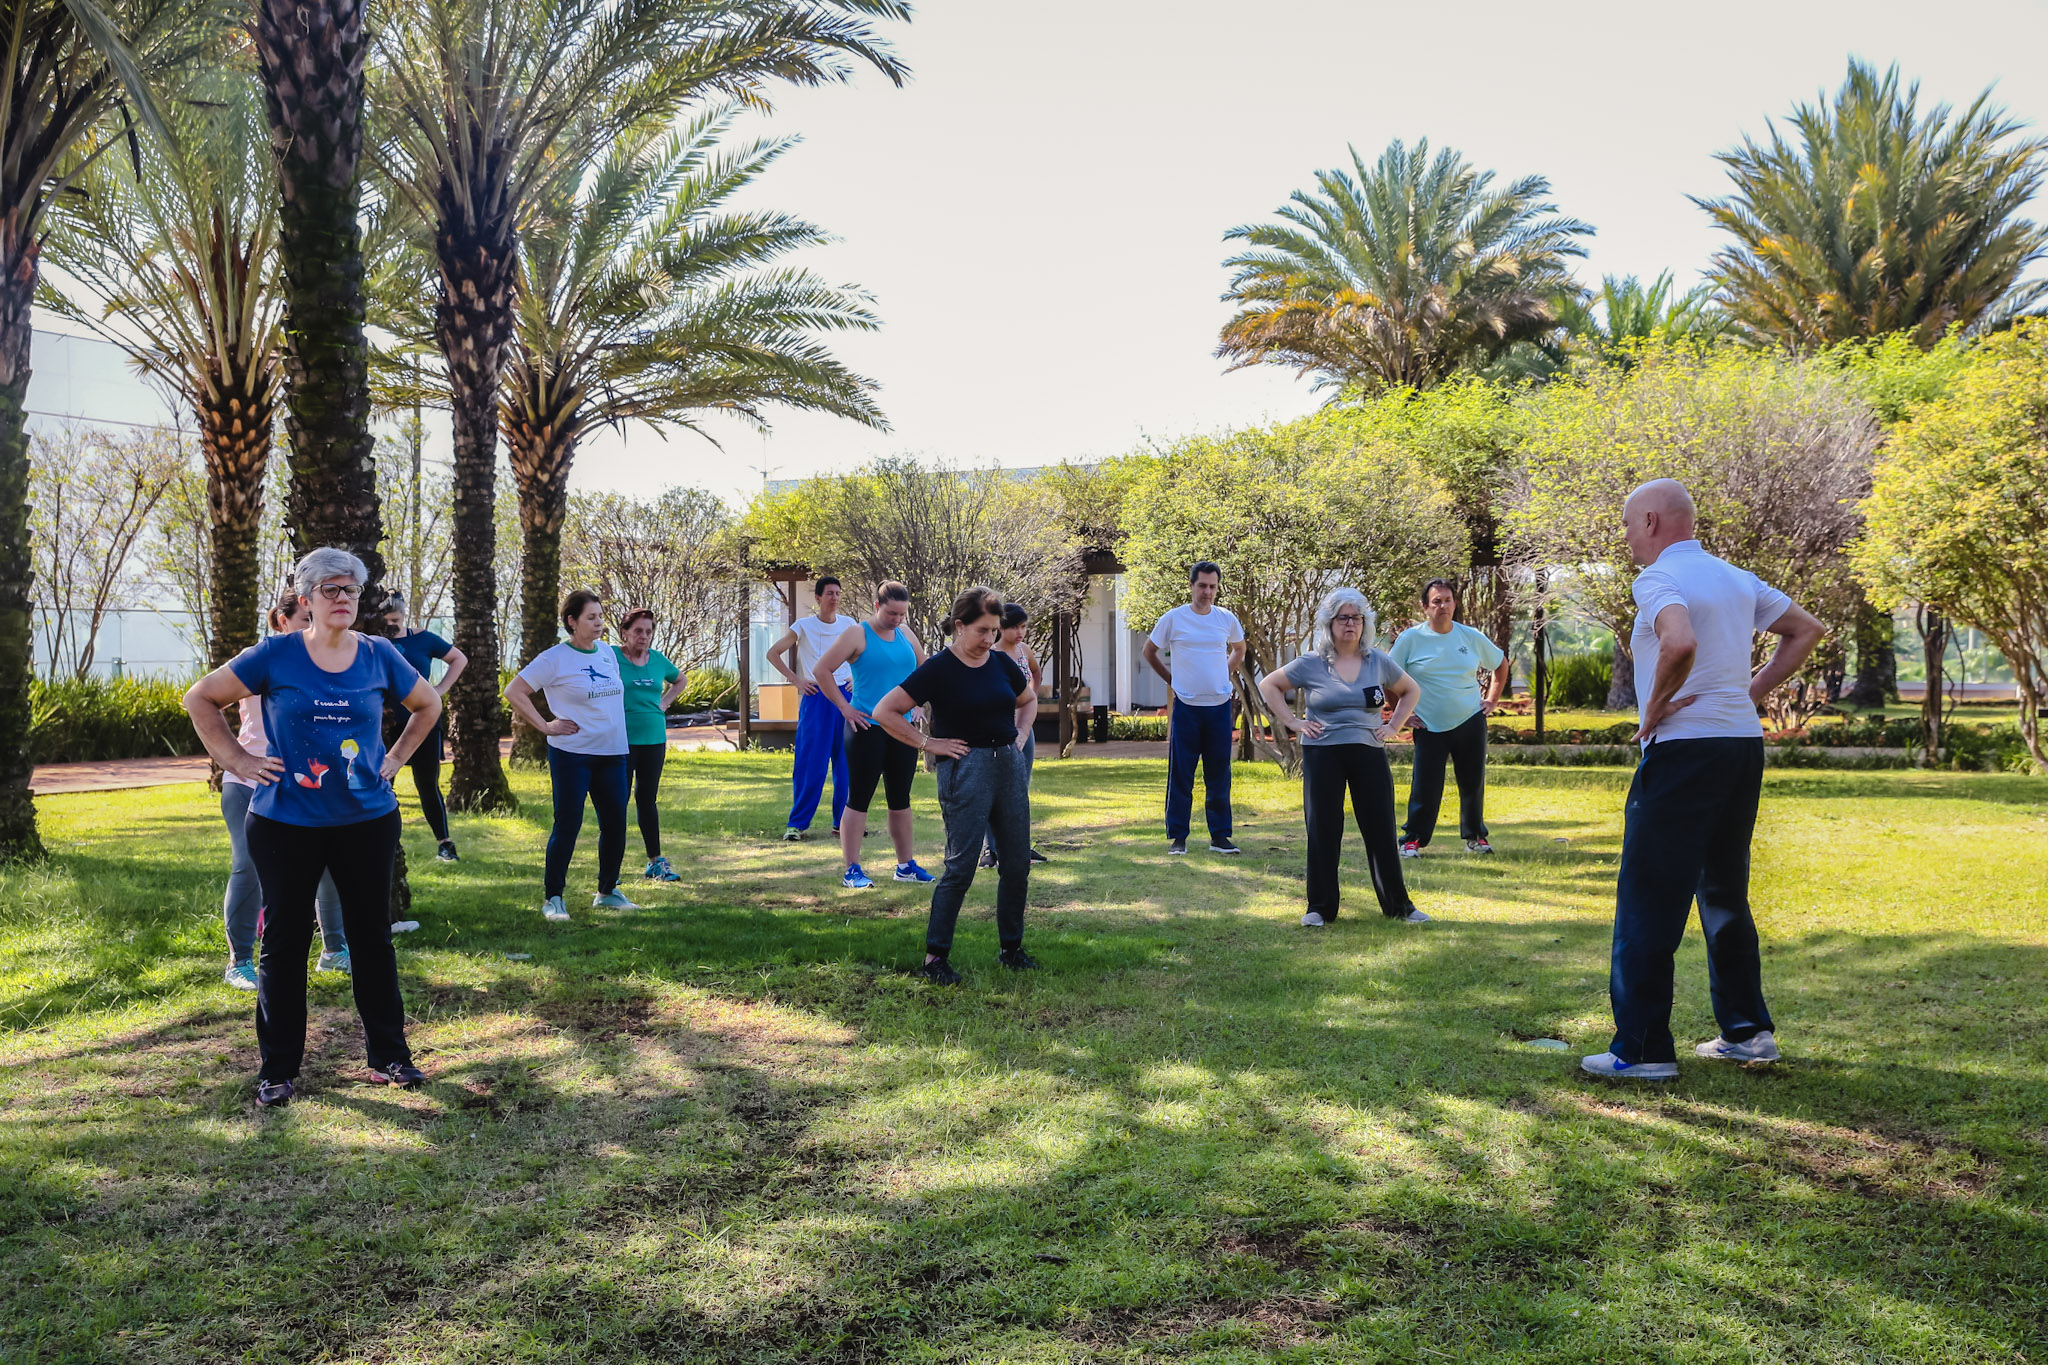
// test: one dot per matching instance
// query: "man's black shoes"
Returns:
(939, 972)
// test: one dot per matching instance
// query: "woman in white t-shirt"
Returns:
(587, 751)
(242, 907)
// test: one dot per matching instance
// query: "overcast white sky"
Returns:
(1039, 212)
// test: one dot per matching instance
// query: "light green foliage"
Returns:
(1897, 374)
(1865, 216)
(1774, 451)
(731, 1128)
(675, 554)
(1289, 512)
(1957, 517)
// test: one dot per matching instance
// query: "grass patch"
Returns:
(731, 1127)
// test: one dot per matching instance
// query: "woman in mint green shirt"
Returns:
(1446, 657)
(652, 683)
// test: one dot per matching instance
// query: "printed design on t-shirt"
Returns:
(598, 683)
(319, 770)
(360, 778)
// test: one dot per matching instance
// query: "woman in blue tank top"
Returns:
(882, 653)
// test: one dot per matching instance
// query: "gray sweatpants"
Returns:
(244, 900)
(987, 791)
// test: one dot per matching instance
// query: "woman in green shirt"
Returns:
(652, 683)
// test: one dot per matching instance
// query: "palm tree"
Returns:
(487, 100)
(311, 53)
(1397, 274)
(1868, 218)
(641, 300)
(177, 255)
(1625, 310)
(69, 67)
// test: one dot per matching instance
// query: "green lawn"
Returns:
(732, 1127)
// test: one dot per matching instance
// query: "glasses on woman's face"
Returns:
(334, 592)
(1348, 618)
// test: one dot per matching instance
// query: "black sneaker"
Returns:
(1038, 857)
(1017, 960)
(1220, 843)
(1177, 849)
(404, 1075)
(446, 853)
(275, 1094)
(939, 972)
(988, 858)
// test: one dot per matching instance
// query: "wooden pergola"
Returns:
(785, 578)
(1095, 563)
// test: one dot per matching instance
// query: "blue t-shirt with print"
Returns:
(326, 728)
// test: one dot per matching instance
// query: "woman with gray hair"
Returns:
(323, 804)
(1345, 682)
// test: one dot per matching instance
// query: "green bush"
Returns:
(85, 720)
(707, 689)
(1580, 681)
(1621, 732)
(1987, 748)
(1137, 727)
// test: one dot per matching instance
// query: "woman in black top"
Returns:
(981, 708)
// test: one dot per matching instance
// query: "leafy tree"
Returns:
(173, 258)
(1775, 451)
(644, 299)
(1625, 311)
(674, 554)
(1868, 216)
(1397, 274)
(1957, 516)
(1289, 512)
(489, 104)
(68, 66)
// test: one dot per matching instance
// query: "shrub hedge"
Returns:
(1580, 681)
(87, 720)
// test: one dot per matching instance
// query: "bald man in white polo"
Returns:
(1692, 807)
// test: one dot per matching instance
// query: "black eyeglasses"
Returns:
(1347, 619)
(334, 592)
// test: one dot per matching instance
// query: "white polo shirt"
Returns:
(1197, 646)
(1728, 607)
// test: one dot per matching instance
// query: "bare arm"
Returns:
(519, 696)
(456, 661)
(1676, 646)
(845, 649)
(1027, 714)
(203, 702)
(1274, 689)
(787, 646)
(1500, 683)
(1798, 633)
(425, 704)
(1158, 664)
(674, 689)
(1235, 659)
(1406, 692)
(890, 715)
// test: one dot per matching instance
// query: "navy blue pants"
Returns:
(602, 779)
(1691, 812)
(1464, 744)
(820, 741)
(1198, 734)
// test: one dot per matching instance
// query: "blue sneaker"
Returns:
(333, 962)
(613, 899)
(660, 871)
(911, 872)
(855, 879)
(240, 975)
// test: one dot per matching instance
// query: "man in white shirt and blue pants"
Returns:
(1203, 644)
(1692, 807)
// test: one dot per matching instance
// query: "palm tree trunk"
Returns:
(541, 440)
(234, 427)
(473, 322)
(18, 838)
(1877, 661)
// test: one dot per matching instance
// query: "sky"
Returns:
(1039, 212)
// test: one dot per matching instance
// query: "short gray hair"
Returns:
(324, 563)
(1333, 601)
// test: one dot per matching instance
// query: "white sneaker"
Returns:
(1311, 920)
(1608, 1065)
(1760, 1048)
(614, 899)
(240, 975)
(1415, 917)
(404, 926)
(552, 908)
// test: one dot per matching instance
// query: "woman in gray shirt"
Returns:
(1345, 683)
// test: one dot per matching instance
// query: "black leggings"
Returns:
(1327, 771)
(874, 755)
(289, 862)
(426, 776)
(644, 780)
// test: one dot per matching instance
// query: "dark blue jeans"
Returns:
(603, 778)
(1198, 734)
(1691, 812)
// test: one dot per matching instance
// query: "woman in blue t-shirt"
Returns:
(421, 648)
(323, 804)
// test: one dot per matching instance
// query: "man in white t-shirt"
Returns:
(1197, 648)
(1692, 807)
(820, 728)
